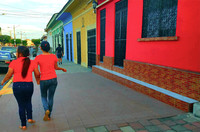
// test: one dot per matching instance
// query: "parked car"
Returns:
(5, 58)
(8, 48)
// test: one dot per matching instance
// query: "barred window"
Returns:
(159, 18)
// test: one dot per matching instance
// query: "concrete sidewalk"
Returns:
(86, 102)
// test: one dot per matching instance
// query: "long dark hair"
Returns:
(25, 53)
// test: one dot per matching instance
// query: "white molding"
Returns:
(103, 3)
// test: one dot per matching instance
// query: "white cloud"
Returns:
(11, 1)
(28, 31)
(31, 15)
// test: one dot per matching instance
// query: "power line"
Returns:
(25, 13)
(18, 8)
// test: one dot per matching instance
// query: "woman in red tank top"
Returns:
(48, 79)
(22, 69)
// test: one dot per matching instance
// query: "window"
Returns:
(159, 18)
(67, 46)
(121, 9)
(91, 37)
(102, 33)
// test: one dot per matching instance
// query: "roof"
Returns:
(53, 19)
(64, 8)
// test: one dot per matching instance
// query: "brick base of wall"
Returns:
(181, 82)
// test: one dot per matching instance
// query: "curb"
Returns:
(7, 84)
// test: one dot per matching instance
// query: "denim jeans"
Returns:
(48, 88)
(23, 92)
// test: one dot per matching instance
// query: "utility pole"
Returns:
(21, 37)
(10, 34)
(14, 35)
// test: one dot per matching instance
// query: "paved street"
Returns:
(86, 102)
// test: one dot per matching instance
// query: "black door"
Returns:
(53, 48)
(62, 45)
(58, 40)
(67, 46)
(78, 34)
(55, 42)
(71, 46)
(120, 31)
(102, 33)
(91, 37)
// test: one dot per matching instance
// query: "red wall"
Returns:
(110, 28)
(182, 54)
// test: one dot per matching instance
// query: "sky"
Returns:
(29, 17)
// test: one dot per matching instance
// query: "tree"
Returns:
(18, 41)
(12, 41)
(24, 42)
(36, 42)
(5, 39)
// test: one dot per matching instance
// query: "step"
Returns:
(182, 102)
(196, 109)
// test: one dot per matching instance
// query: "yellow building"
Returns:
(84, 31)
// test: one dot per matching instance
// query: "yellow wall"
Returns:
(83, 19)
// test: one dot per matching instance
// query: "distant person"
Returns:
(22, 69)
(59, 53)
(48, 80)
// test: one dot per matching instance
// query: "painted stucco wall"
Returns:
(67, 24)
(49, 38)
(56, 29)
(83, 20)
(181, 54)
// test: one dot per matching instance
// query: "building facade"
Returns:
(151, 47)
(76, 25)
(84, 32)
(66, 18)
(55, 32)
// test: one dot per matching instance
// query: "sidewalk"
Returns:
(86, 102)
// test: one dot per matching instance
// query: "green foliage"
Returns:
(5, 39)
(24, 42)
(12, 41)
(36, 41)
(18, 41)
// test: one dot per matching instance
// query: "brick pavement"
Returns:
(86, 102)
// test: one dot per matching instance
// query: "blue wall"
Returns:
(66, 18)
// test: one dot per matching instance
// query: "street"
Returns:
(87, 102)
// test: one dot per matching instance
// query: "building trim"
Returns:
(103, 3)
(65, 8)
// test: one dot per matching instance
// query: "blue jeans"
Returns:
(23, 92)
(48, 88)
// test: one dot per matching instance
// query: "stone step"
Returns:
(196, 109)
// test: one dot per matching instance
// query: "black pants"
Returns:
(23, 92)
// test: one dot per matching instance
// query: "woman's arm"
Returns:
(8, 75)
(37, 75)
(59, 68)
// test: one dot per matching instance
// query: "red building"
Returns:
(152, 47)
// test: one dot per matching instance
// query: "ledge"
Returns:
(153, 87)
(175, 38)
